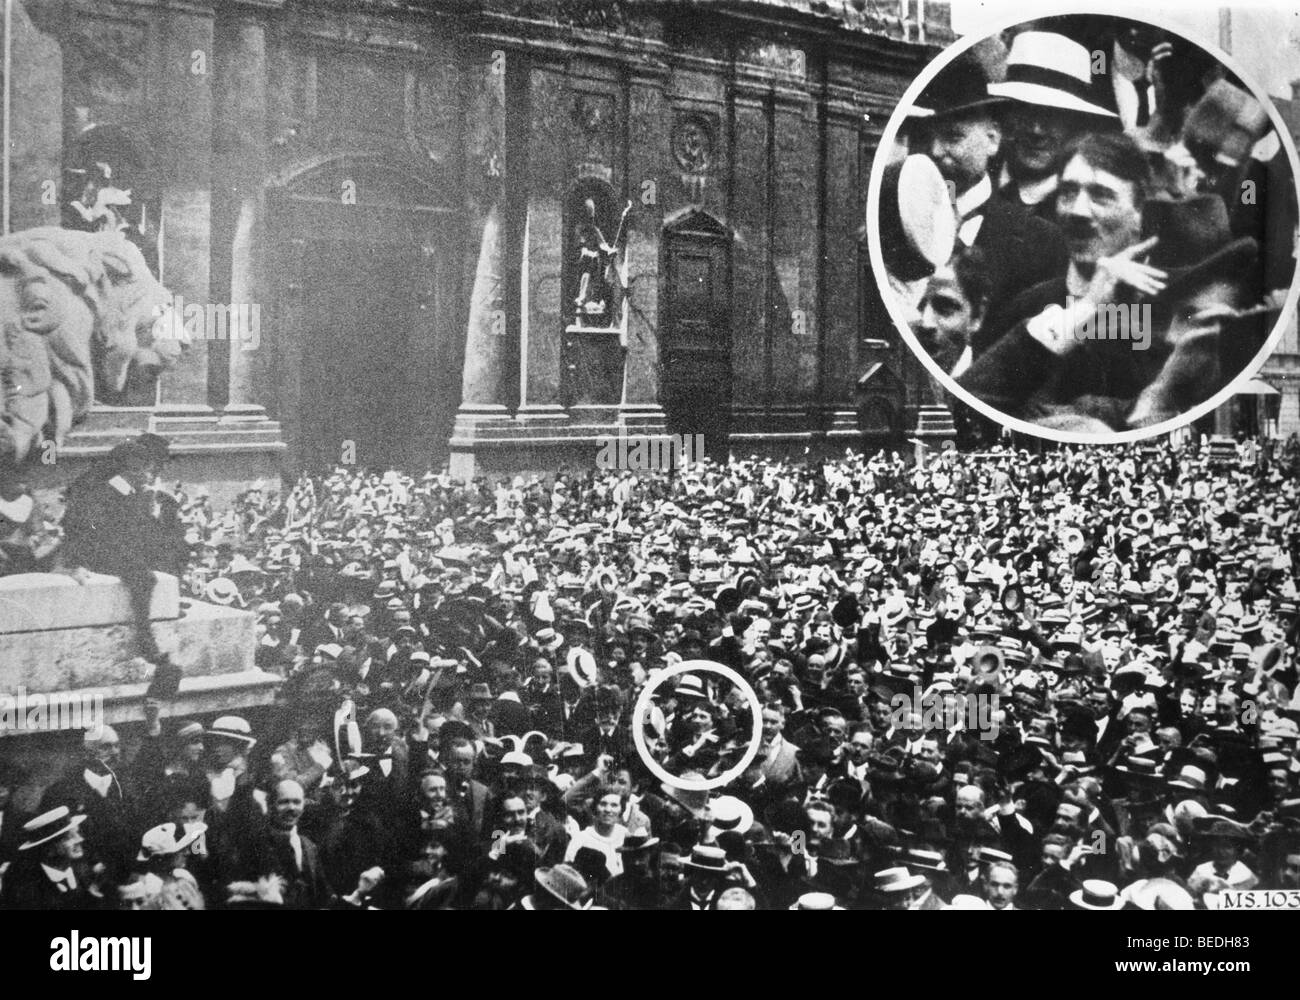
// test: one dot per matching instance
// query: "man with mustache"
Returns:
(1044, 362)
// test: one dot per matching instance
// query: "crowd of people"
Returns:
(1004, 680)
(1113, 230)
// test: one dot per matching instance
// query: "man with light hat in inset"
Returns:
(1051, 99)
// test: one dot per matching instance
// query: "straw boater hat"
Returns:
(918, 226)
(899, 879)
(232, 727)
(1052, 71)
(49, 826)
(1097, 895)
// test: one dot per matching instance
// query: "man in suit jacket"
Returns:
(110, 526)
(280, 849)
(1040, 359)
(48, 874)
(778, 758)
(963, 137)
(93, 788)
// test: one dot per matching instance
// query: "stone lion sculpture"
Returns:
(80, 311)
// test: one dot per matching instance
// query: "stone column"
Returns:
(238, 205)
(483, 413)
(36, 126)
(647, 154)
(541, 291)
(184, 147)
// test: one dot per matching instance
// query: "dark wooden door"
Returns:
(370, 348)
(355, 382)
(695, 348)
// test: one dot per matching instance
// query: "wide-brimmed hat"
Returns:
(918, 225)
(1189, 776)
(707, 858)
(49, 826)
(1097, 894)
(1195, 242)
(899, 879)
(223, 591)
(636, 842)
(960, 88)
(565, 883)
(1050, 70)
(815, 901)
(232, 727)
(168, 838)
(730, 813)
(690, 686)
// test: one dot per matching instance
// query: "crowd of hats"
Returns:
(1103, 599)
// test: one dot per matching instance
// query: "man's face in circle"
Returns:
(961, 146)
(1098, 212)
(1038, 135)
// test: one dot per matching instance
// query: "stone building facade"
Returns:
(409, 197)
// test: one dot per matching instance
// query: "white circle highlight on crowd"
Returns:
(643, 705)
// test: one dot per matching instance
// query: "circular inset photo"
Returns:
(697, 726)
(1085, 228)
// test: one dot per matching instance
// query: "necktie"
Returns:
(1143, 87)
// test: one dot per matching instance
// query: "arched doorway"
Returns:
(695, 337)
(368, 311)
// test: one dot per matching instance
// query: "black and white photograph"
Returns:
(1088, 225)
(640, 455)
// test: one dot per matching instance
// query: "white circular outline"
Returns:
(643, 705)
(893, 306)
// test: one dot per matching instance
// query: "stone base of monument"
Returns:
(222, 452)
(73, 644)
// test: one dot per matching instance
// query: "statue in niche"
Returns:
(600, 279)
(102, 206)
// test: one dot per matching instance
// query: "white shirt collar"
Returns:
(64, 878)
(976, 196)
(963, 362)
(121, 485)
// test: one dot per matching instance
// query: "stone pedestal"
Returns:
(73, 643)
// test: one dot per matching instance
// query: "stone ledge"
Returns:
(208, 640)
(40, 602)
(123, 703)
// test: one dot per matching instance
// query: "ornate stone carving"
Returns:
(79, 313)
(693, 143)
